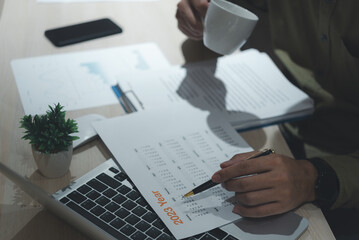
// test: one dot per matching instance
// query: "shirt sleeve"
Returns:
(347, 170)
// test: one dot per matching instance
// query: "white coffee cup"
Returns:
(227, 26)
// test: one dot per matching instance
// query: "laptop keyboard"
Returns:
(110, 201)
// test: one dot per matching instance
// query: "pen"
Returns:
(124, 101)
(209, 183)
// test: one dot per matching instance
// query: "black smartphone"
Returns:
(82, 32)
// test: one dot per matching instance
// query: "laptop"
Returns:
(105, 204)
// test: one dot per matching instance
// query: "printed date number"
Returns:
(173, 216)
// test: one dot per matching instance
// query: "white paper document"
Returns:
(81, 79)
(167, 152)
(246, 87)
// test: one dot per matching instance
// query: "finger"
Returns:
(256, 198)
(189, 16)
(243, 168)
(236, 158)
(189, 33)
(186, 27)
(250, 183)
(200, 7)
(186, 13)
(264, 210)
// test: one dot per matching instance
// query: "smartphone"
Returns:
(82, 32)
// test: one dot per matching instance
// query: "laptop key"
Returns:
(96, 184)
(139, 211)
(95, 220)
(88, 204)
(102, 201)
(142, 202)
(132, 219)
(114, 170)
(129, 205)
(103, 177)
(84, 189)
(158, 224)
(112, 207)
(107, 217)
(93, 195)
(133, 195)
(148, 207)
(138, 236)
(119, 199)
(165, 236)
(167, 231)
(118, 223)
(122, 213)
(127, 230)
(123, 189)
(218, 233)
(153, 232)
(149, 217)
(208, 237)
(76, 197)
(230, 237)
(142, 226)
(98, 210)
(64, 200)
(109, 193)
(121, 176)
(198, 236)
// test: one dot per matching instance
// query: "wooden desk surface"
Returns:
(22, 26)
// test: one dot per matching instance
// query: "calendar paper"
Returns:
(167, 152)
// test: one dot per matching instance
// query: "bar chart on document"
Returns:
(82, 79)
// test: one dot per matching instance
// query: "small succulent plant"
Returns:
(51, 132)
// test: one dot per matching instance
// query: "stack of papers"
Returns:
(247, 88)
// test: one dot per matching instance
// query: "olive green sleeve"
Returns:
(252, 5)
(347, 170)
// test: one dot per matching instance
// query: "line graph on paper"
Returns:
(75, 86)
(80, 80)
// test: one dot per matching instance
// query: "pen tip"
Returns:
(188, 194)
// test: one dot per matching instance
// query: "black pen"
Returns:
(210, 183)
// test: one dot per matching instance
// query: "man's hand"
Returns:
(278, 183)
(189, 16)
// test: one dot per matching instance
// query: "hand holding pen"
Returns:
(274, 183)
(209, 184)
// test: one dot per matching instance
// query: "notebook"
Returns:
(104, 204)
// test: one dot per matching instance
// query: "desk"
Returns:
(22, 27)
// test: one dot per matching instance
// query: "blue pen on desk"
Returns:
(209, 184)
(124, 101)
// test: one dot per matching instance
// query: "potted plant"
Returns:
(51, 140)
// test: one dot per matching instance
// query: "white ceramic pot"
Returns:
(53, 165)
